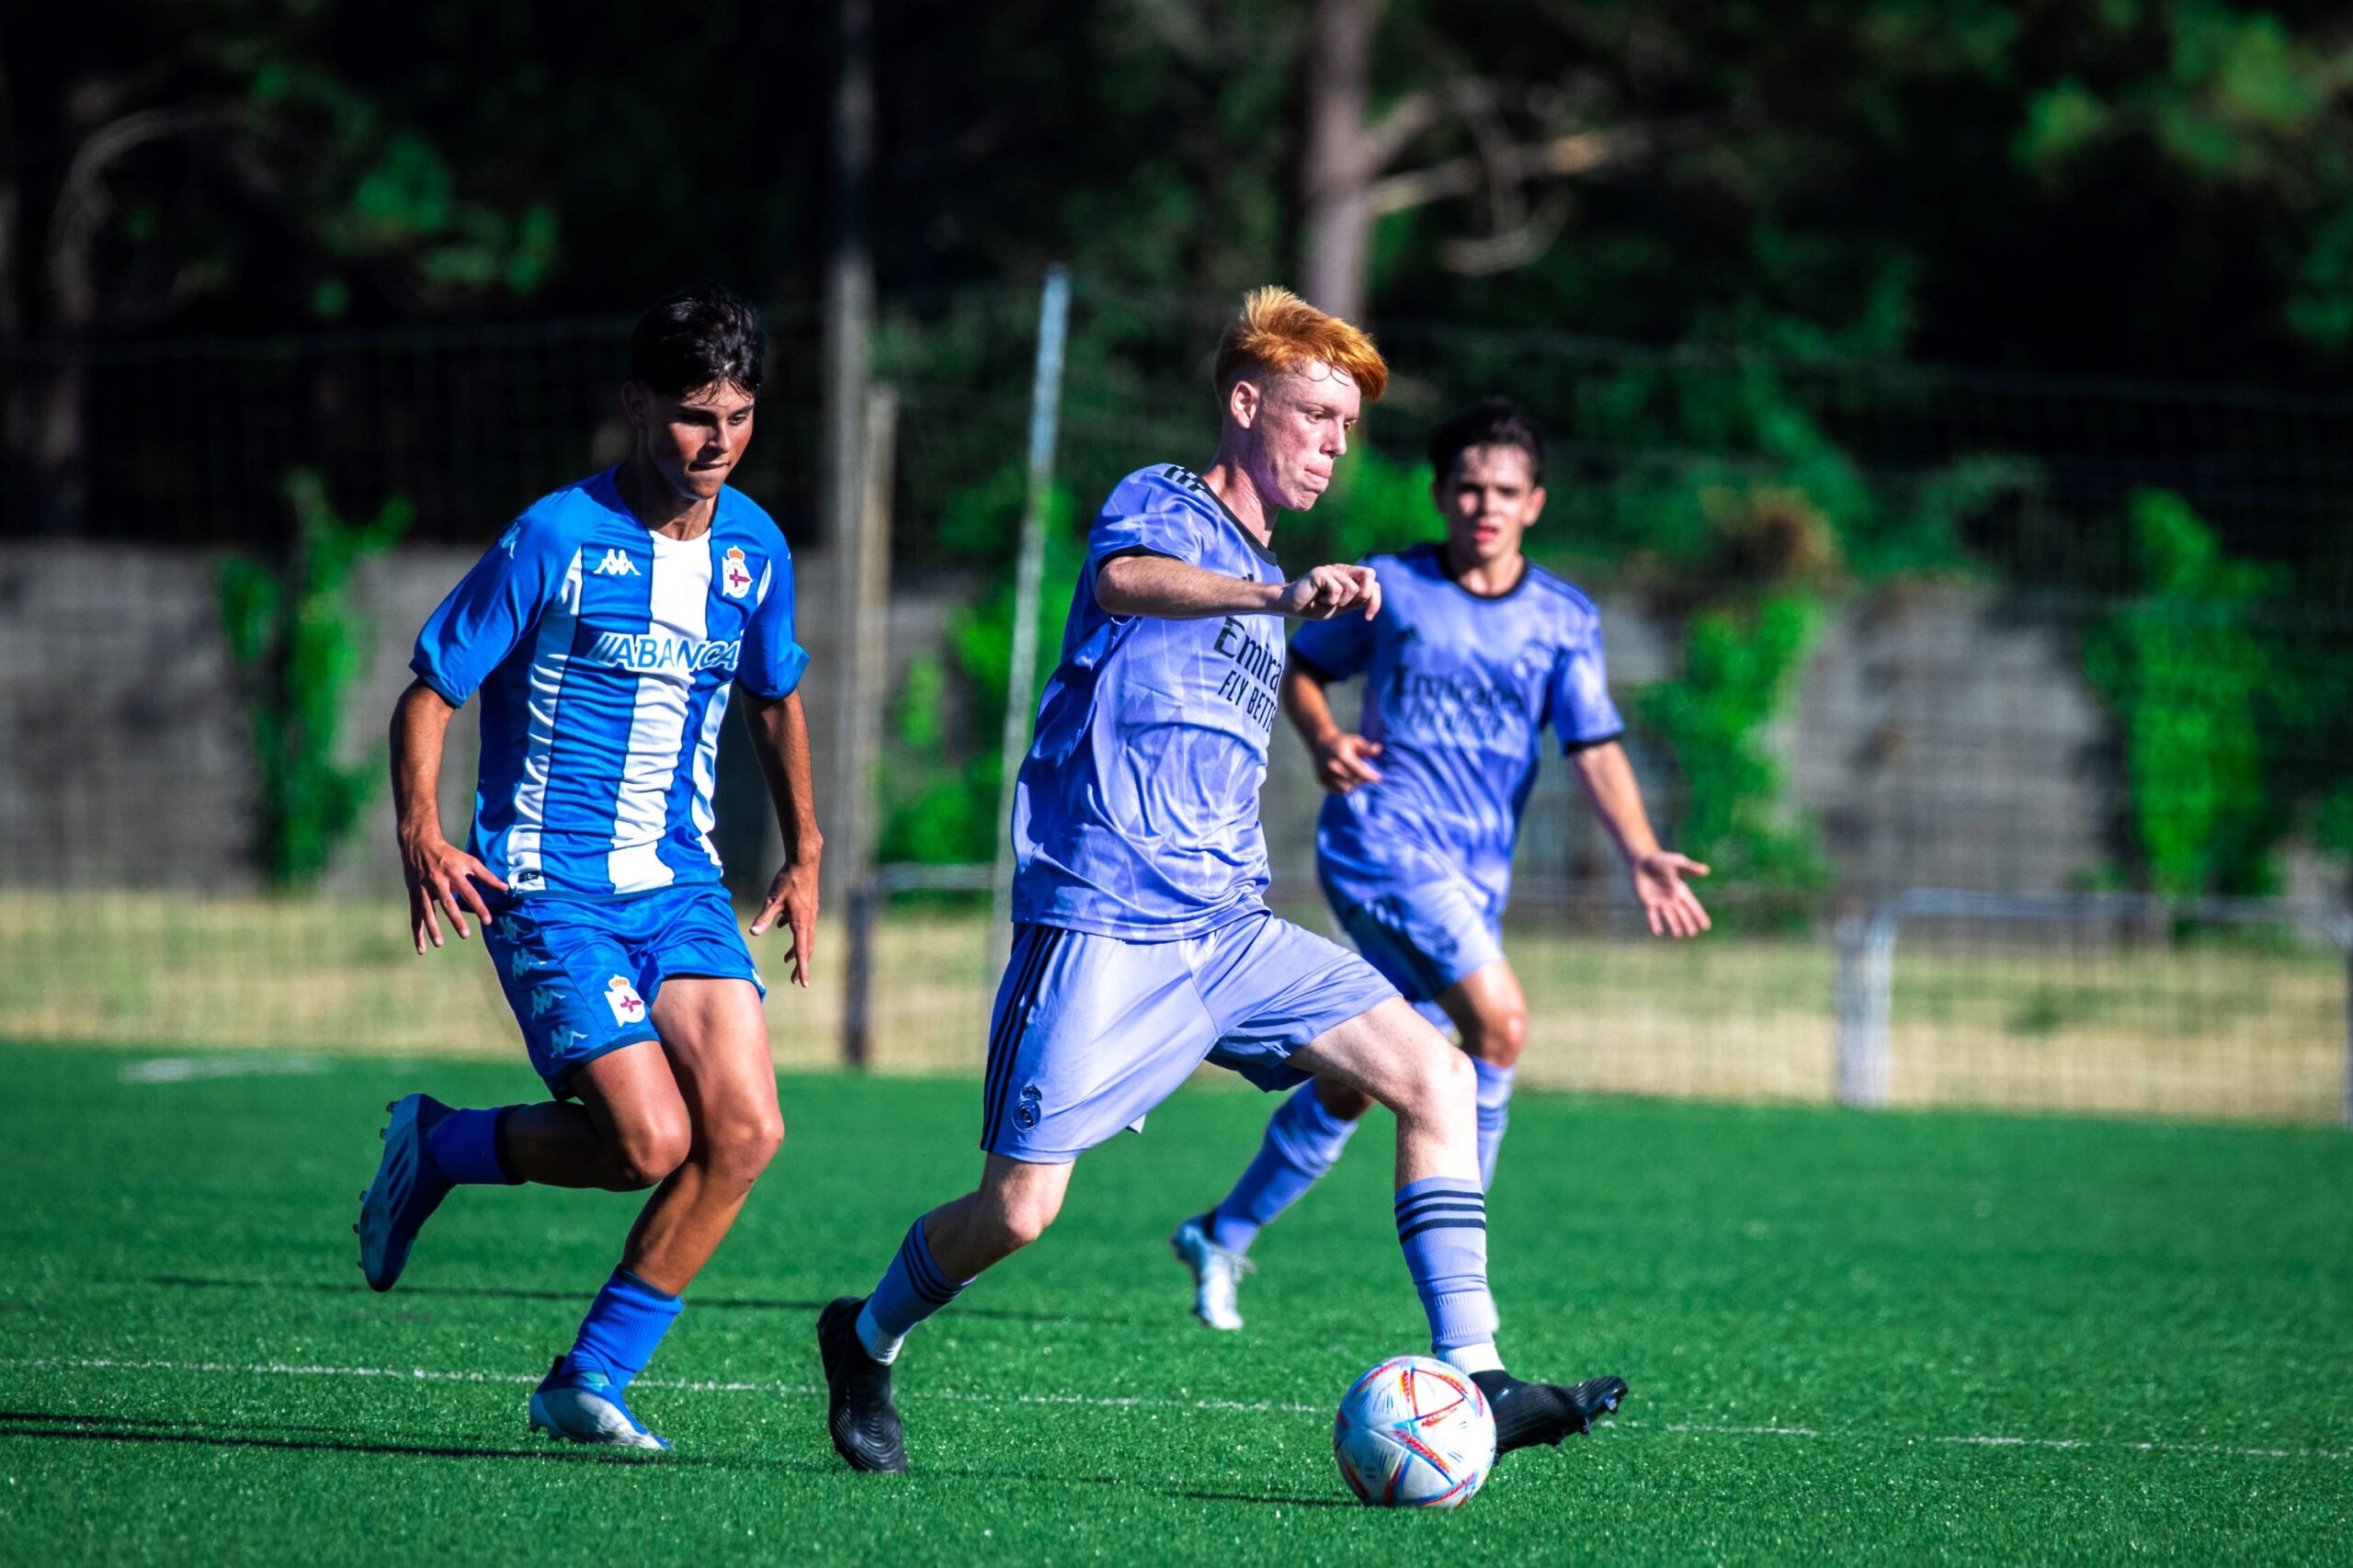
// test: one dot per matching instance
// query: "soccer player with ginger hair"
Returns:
(1142, 945)
(605, 630)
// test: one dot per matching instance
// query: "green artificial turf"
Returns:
(1893, 1335)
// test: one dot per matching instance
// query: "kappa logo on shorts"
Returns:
(520, 964)
(628, 1006)
(1025, 1114)
(617, 564)
(734, 577)
(544, 998)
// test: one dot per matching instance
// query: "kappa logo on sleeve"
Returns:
(735, 576)
(617, 564)
(628, 1006)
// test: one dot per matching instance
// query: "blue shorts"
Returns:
(581, 974)
(1423, 934)
(1091, 1033)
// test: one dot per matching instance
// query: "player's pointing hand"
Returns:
(1327, 591)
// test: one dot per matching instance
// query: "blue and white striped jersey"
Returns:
(604, 653)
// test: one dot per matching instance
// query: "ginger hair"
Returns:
(1279, 331)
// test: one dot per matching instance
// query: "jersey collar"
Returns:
(1260, 551)
(1446, 569)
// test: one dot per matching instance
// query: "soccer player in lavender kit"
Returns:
(1475, 651)
(604, 632)
(1142, 946)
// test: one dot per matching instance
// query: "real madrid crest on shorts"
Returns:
(735, 576)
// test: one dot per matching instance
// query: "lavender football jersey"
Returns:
(1458, 689)
(1136, 811)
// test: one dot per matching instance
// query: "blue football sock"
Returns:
(1302, 1140)
(913, 1288)
(1494, 1114)
(624, 1323)
(1442, 1226)
(464, 1147)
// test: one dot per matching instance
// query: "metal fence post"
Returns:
(1045, 415)
(1866, 954)
(857, 977)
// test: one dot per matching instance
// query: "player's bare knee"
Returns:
(1446, 1089)
(1427, 1081)
(1498, 1041)
(1026, 1218)
(645, 1154)
(741, 1148)
(1018, 1215)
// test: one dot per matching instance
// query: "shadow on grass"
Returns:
(511, 1293)
(69, 1426)
(72, 1427)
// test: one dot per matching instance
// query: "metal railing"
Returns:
(1866, 973)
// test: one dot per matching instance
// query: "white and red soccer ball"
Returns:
(1413, 1433)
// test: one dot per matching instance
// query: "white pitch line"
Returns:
(428, 1374)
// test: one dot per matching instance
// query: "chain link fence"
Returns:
(1950, 650)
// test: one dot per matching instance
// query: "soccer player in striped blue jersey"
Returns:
(602, 633)
(1142, 944)
(1477, 652)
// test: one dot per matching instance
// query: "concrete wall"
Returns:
(1938, 737)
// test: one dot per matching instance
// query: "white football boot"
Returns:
(1217, 1273)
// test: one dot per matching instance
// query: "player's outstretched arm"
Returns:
(439, 875)
(1341, 760)
(781, 736)
(1168, 589)
(1670, 905)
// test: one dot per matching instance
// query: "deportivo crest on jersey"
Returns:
(735, 576)
(617, 564)
(628, 1006)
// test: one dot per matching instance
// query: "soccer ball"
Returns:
(1413, 1433)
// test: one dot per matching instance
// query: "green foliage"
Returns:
(941, 796)
(1740, 667)
(2190, 668)
(298, 644)
(1375, 504)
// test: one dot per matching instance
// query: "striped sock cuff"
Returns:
(924, 1274)
(1440, 1204)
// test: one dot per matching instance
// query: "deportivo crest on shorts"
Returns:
(735, 576)
(628, 1006)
